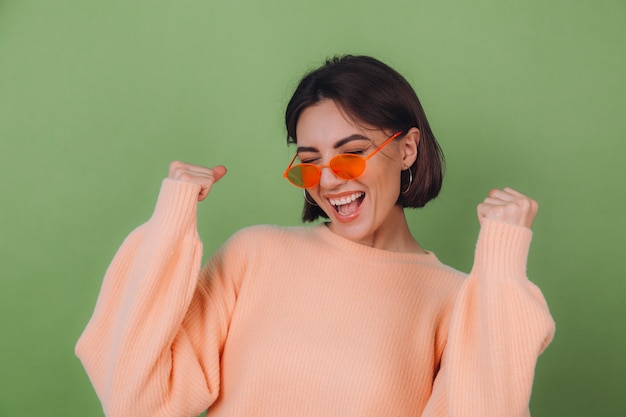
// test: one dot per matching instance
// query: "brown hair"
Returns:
(371, 91)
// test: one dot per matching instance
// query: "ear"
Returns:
(408, 147)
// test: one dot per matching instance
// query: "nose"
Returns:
(328, 179)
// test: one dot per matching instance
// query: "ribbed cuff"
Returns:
(502, 249)
(175, 211)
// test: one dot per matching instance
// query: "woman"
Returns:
(351, 317)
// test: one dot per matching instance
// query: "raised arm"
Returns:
(500, 323)
(143, 347)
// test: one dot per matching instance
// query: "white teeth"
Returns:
(344, 200)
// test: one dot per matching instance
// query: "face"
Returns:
(364, 209)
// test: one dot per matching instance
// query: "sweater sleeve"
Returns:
(152, 345)
(499, 325)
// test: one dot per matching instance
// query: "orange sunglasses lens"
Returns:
(345, 166)
(303, 175)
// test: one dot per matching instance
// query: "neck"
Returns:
(393, 235)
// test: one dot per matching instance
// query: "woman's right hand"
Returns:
(195, 174)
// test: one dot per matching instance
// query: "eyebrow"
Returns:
(337, 144)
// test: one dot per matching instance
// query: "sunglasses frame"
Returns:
(319, 167)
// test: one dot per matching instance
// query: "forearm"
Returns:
(499, 325)
(134, 336)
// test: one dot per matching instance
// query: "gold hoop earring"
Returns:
(408, 187)
(307, 200)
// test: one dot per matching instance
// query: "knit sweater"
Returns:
(298, 322)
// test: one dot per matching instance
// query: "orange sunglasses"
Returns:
(346, 166)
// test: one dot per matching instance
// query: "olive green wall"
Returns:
(96, 97)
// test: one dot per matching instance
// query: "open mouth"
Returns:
(348, 204)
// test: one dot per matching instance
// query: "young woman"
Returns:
(350, 317)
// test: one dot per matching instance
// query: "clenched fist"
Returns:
(509, 206)
(195, 174)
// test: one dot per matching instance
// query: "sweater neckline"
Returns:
(367, 252)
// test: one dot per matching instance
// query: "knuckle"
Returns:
(175, 167)
(185, 176)
(524, 203)
(528, 205)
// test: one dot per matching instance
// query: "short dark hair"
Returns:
(372, 92)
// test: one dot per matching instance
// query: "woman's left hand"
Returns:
(509, 206)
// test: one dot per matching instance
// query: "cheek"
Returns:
(389, 182)
(314, 197)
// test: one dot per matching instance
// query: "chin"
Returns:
(354, 229)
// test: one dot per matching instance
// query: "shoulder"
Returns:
(254, 246)
(450, 272)
(266, 237)
(442, 278)
(268, 232)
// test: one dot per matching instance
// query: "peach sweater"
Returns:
(300, 322)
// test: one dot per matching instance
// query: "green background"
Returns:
(96, 97)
